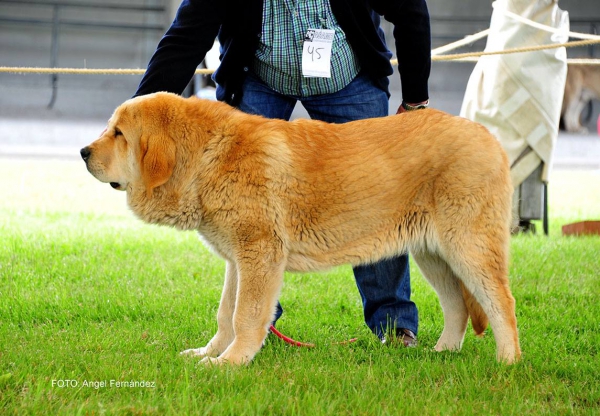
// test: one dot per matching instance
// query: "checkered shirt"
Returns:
(278, 60)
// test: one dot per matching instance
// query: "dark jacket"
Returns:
(238, 25)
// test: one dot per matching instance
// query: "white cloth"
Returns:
(518, 96)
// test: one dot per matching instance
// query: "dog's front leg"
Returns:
(225, 332)
(259, 285)
(575, 107)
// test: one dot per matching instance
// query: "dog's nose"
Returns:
(85, 153)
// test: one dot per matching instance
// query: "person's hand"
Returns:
(404, 107)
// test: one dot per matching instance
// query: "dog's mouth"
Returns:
(116, 185)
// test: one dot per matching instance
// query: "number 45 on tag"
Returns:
(316, 53)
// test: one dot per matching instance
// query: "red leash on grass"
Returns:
(303, 344)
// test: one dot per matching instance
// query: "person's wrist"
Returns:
(415, 106)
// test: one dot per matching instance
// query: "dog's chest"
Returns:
(216, 241)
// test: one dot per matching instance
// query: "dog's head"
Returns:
(135, 148)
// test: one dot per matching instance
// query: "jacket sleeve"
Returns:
(182, 48)
(412, 34)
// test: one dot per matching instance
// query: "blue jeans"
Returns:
(384, 286)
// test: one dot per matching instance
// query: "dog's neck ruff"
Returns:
(163, 208)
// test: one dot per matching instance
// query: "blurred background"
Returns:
(56, 113)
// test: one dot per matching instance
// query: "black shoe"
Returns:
(402, 336)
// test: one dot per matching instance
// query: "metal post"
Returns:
(54, 53)
(545, 209)
(593, 31)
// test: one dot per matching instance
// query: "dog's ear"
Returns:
(158, 160)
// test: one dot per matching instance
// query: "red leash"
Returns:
(302, 344)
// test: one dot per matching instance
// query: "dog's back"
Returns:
(366, 190)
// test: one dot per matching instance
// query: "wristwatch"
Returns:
(409, 107)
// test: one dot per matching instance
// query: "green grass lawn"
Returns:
(91, 297)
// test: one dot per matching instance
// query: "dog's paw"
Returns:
(212, 361)
(222, 360)
(196, 352)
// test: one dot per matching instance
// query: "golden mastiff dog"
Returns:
(270, 195)
(582, 86)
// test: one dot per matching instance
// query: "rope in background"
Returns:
(459, 56)
(435, 56)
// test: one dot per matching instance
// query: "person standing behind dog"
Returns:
(331, 56)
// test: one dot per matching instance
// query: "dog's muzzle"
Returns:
(86, 153)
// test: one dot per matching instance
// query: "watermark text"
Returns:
(104, 384)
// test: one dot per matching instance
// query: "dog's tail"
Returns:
(479, 319)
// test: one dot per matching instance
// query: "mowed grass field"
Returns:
(95, 307)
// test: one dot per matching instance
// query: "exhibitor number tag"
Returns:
(316, 53)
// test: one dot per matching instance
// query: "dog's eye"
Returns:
(118, 132)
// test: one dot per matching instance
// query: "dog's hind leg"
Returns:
(447, 286)
(225, 333)
(482, 266)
